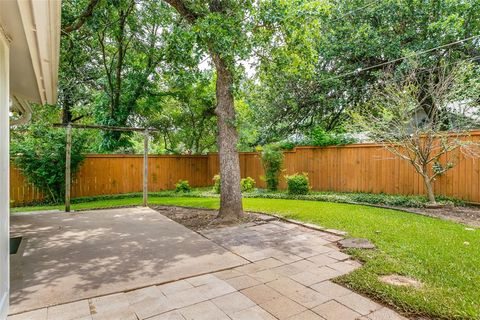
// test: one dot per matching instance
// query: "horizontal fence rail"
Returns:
(351, 168)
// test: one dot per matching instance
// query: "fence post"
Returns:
(145, 168)
(68, 171)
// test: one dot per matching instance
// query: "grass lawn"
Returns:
(443, 255)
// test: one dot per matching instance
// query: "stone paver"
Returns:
(288, 277)
(69, 311)
(176, 286)
(261, 293)
(331, 289)
(309, 278)
(332, 310)
(358, 303)
(303, 295)
(112, 307)
(40, 314)
(265, 276)
(203, 311)
(151, 306)
(346, 266)
(233, 302)
(243, 282)
(322, 260)
(227, 274)
(282, 307)
(139, 295)
(306, 315)
(172, 315)
(385, 313)
(270, 263)
(254, 313)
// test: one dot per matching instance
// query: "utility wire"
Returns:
(358, 9)
(414, 54)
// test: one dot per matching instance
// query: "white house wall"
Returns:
(4, 176)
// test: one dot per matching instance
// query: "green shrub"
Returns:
(272, 161)
(287, 145)
(182, 186)
(216, 183)
(39, 153)
(247, 184)
(320, 138)
(298, 183)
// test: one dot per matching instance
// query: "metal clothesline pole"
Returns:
(145, 169)
(68, 171)
(68, 154)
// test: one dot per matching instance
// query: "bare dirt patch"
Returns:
(468, 215)
(198, 219)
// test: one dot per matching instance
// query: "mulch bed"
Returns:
(468, 215)
(198, 219)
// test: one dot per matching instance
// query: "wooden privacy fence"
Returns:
(357, 167)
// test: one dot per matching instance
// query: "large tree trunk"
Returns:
(231, 195)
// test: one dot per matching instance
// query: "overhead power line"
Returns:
(414, 54)
(358, 9)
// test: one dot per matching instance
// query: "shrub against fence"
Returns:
(351, 168)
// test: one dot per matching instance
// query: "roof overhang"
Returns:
(33, 28)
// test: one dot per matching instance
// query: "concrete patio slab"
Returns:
(275, 287)
(72, 256)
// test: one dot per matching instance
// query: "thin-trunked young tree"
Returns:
(431, 142)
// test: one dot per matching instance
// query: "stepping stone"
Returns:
(357, 243)
(400, 281)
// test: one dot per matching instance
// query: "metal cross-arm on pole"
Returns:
(68, 154)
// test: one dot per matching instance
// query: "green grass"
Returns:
(430, 250)
(389, 200)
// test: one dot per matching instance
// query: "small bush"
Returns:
(247, 184)
(216, 183)
(287, 145)
(182, 186)
(321, 138)
(298, 183)
(272, 160)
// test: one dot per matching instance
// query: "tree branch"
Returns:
(80, 20)
(182, 9)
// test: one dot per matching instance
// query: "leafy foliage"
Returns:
(272, 161)
(111, 63)
(182, 186)
(297, 183)
(247, 184)
(412, 201)
(308, 74)
(38, 150)
(186, 117)
(216, 184)
(320, 138)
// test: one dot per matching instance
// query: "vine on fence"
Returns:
(272, 161)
